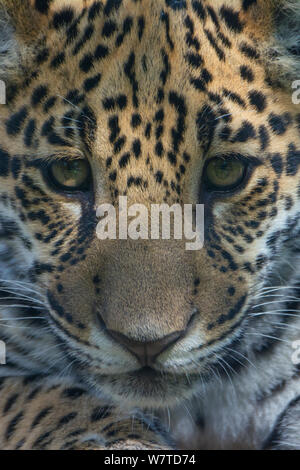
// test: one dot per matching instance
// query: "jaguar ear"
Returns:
(283, 48)
(20, 26)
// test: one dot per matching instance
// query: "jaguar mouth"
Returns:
(145, 388)
(149, 376)
(147, 372)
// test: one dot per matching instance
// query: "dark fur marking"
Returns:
(231, 19)
(4, 163)
(15, 122)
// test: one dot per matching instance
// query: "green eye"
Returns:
(223, 174)
(71, 175)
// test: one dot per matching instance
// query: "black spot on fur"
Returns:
(248, 3)
(86, 63)
(293, 161)
(277, 164)
(101, 413)
(13, 425)
(130, 73)
(101, 52)
(15, 167)
(220, 53)
(29, 132)
(58, 60)
(176, 4)
(195, 60)
(109, 29)
(246, 73)
(15, 122)
(94, 10)
(4, 163)
(91, 83)
(277, 124)
(231, 19)
(245, 133)
(40, 416)
(257, 100)
(112, 5)
(124, 160)
(249, 51)
(199, 9)
(63, 18)
(263, 137)
(42, 6)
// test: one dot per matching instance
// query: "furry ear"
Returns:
(20, 26)
(283, 50)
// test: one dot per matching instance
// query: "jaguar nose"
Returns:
(146, 352)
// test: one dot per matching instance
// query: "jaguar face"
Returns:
(162, 102)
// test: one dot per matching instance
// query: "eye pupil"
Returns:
(223, 169)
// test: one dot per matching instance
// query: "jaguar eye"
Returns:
(71, 175)
(224, 174)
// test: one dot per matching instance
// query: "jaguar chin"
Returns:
(147, 388)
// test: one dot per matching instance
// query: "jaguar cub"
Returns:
(141, 343)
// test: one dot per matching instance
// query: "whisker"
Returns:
(275, 288)
(71, 119)
(280, 296)
(283, 326)
(223, 116)
(22, 297)
(24, 286)
(20, 306)
(17, 327)
(220, 361)
(276, 313)
(68, 127)
(22, 318)
(261, 335)
(241, 355)
(75, 107)
(274, 302)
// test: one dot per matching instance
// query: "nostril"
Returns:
(157, 347)
(135, 347)
(146, 352)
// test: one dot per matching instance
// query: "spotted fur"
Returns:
(148, 91)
